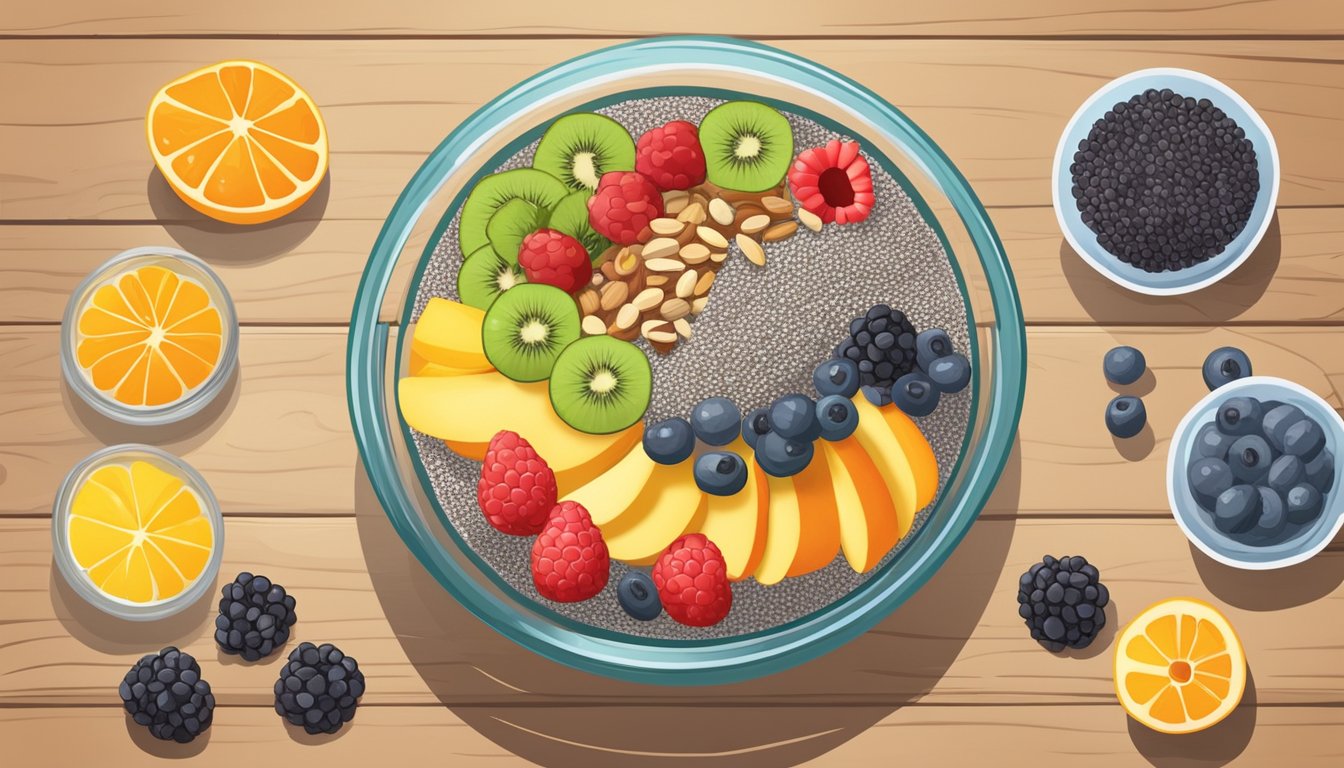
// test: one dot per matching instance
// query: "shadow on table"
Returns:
(577, 718)
(1273, 590)
(1215, 746)
(108, 634)
(1106, 302)
(177, 438)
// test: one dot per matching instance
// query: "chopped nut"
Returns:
(614, 295)
(589, 301)
(648, 299)
(756, 223)
(659, 248)
(780, 231)
(664, 265)
(682, 327)
(650, 325)
(674, 309)
(654, 281)
(686, 283)
(711, 237)
(675, 200)
(695, 253)
(662, 337)
(627, 316)
(702, 285)
(751, 249)
(777, 205)
(592, 325)
(693, 213)
(609, 271)
(666, 226)
(810, 220)
(718, 257)
(698, 305)
(721, 211)
(627, 261)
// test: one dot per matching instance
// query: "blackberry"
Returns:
(1062, 602)
(165, 693)
(319, 688)
(881, 343)
(254, 617)
(1165, 181)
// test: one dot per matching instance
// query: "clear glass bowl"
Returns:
(183, 264)
(725, 68)
(74, 574)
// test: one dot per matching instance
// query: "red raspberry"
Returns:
(516, 490)
(554, 258)
(692, 581)
(623, 205)
(569, 559)
(671, 156)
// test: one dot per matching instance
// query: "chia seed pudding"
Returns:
(761, 335)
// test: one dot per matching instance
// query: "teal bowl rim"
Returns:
(729, 659)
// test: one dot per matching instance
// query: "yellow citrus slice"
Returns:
(238, 141)
(149, 337)
(1179, 667)
(140, 534)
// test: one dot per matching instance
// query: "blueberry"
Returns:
(670, 441)
(1123, 365)
(1237, 509)
(837, 416)
(1285, 472)
(1210, 442)
(950, 373)
(1303, 504)
(1303, 439)
(795, 417)
(1125, 416)
(1321, 471)
(638, 596)
(1224, 366)
(1239, 416)
(716, 420)
(915, 393)
(754, 425)
(836, 377)
(931, 345)
(1273, 514)
(1250, 457)
(779, 456)
(1276, 422)
(720, 473)
(879, 396)
(1209, 477)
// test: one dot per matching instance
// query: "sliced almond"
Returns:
(718, 257)
(664, 265)
(662, 337)
(780, 231)
(693, 213)
(674, 309)
(627, 316)
(614, 295)
(701, 199)
(682, 327)
(751, 249)
(698, 305)
(810, 220)
(686, 283)
(673, 206)
(695, 253)
(648, 299)
(655, 281)
(659, 248)
(649, 326)
(589, 301)
(777, 205)
(592, 325)
(757, 223)
(711, 237)
(702, 285)
(666, 226)
(721, 211)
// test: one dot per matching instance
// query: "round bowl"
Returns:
(183, 264)
(1302, 546)
(74, 575)
(725, 68)
(1197, 86)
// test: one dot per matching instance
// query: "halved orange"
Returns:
(140, 534)
(238, 141)
(149, 337)
(1179, 667)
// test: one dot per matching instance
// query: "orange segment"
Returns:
(268, 93)
(202, 92)
(234, 182)
(192, 165)
(237, 82)
(175, 128)
(298, 121)
(1143, 686)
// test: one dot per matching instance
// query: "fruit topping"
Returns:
(670, 441)
(517, 488)
(1276, 422)
(570, 217)
(1273, 514)
(1304, 439)
(254, 617)
(623, 206)
(1321, 471)
(834, 182)
(915, 393)
(754, 425)
(930, 345)
(165, 693)
(693, 582)
(1303, 503)
(794, 416)
(876, 395)
(1239, 416)
(319, 688)
(721, 473)
(837, 417)
(638, 596)
(569, 558)
(779, 456)
(716, 420)
(1062, 600)
(950, 373)
(601, 385)
(549, 257)
(490, 194)
(484, 275)
(747, 146)
(1211, 442)
(526, 328)
(1224, 366)
(578, 149)
(1237, 509)
(882, 344)
(513, 222)
(1126, 416)
(671, 157)
(1285, 473)
(1209, 477)
(1123, 365)
(839, 376)
(1250, 457)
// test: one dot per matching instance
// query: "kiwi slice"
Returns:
(492, 192)
(571, 218)
(601, 384)
(748, 146)
(514, 221)
(526, 328)
(577, 149)
(485, 275)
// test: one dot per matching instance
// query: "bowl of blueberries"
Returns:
(1165, 181)
(1251, 475)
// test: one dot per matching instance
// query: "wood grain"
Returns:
(958, 641)
(996, 107)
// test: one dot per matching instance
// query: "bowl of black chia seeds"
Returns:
(1165, 181)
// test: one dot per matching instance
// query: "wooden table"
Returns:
(949, 679)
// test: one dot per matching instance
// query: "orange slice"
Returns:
(149, 337)
(238, 141)
(1179, 667)
(140, 534)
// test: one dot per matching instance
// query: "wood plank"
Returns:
(958, 641)
(614, 737)
(299, 273)
(754, 18)
(996, 107)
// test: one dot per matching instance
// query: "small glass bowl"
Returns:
(75, 575)
(186, 265)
